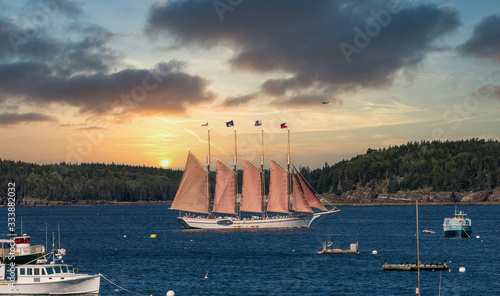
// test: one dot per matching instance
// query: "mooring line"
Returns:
(122, 287)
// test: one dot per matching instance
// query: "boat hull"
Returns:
(60, 285)
(301, 221)
(462, 232)
(22, 259)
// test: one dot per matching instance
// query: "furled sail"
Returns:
(278, 193)
(251, 192)
(299, 203)
(192, 195)
(224, 190)
(310, 197)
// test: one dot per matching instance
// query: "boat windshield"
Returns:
(50, 270)
(64, 268)
(57, 269)
(70, 268)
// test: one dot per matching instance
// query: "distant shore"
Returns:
(42, 203)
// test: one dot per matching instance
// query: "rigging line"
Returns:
(121, 287)
(298, 173)
(464, 230)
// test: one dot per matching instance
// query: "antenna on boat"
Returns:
(21, 225)
(46, 238)
(59, 235)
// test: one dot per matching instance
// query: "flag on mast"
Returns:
(258, 123)
(284, 125)
(230, 123)
(205, 124)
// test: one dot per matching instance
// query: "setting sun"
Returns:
(165, 163)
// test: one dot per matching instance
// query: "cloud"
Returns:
(16, 118)
(485, 40)
(165, 89)
(41, 69)
(239, 100)
(487, 91)
(304, 100)
(303, 41)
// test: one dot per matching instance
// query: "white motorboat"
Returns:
(46, 279)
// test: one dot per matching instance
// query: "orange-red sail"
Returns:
(251, 194)
(310, 197)
(278, 193)
(299, 203)
(224, 190)
(192, 195)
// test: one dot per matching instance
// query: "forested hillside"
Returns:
(469, 165)
(70, 182)
(451, 166)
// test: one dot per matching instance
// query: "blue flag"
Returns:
(258, 123)
(229, 123)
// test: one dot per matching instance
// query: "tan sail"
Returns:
(224, 190)
(251, 199)
(192, 195)
(299, 203)
(310, 197)
(278, 193)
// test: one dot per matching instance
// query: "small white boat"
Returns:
(428, 231)
(46, 279)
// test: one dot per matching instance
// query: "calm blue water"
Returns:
(272, 262)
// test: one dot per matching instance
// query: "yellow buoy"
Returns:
(153, 236)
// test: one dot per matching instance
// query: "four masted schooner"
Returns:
(193, 196)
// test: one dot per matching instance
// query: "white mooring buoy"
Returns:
(477, 236)
(374, 252)
(170, 293)
(461, 269)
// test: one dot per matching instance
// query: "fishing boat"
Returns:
(285, 207)
(46, 279)
(458, 226)
(24, 252)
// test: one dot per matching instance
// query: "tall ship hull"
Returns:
(299, 221)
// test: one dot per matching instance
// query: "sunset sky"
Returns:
(132, 82)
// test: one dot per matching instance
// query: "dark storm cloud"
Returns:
(15, 118)
(322, 44)
(88, 54)
(485, 40)
(164, 89)
(79, 71)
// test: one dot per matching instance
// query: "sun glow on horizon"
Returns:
(165, 163)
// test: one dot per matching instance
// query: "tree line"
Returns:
(467, 165)
(90, 181)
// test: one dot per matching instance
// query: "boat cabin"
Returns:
(459, 219)
(24, 251)
(30, 273)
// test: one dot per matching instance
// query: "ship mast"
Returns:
(289, 173)
(235, 174)
(262, 175)
(208, 171)
(418, 252)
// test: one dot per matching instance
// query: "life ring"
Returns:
(461, 222)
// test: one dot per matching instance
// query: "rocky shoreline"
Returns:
(362, 196)
(424, 196)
